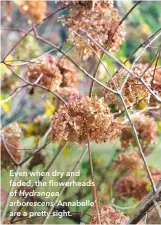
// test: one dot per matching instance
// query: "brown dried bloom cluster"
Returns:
(8, 8)
(56, 73)
(84, 117)
(156, 86)
(131, 186)
(157, 79)
(146, 128)
(156, 174)
(102, 25)
(69, 73)
(36, 9)
(153, 102)
(108, 215)
(12, 135)
(90, 3)
(66, 92)
(47, 67)
(133, 90)
(128, 161)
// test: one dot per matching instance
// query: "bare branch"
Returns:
(146, 205)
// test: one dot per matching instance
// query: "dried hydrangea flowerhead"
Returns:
(90, 4)
(133, 90)
(69, 73)
(108, 215)
(156, 175)
(128, 161)
(66, 92)
(156, 84)
(8, 7)
(131, 186)
(36, 9)
(102, 25)
(11, 137)
(146, 128)
(56, 72)
(82, 118)
(47, 67)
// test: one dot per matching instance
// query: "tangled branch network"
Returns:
(74, 78)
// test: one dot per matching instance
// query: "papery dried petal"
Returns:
(83, 117)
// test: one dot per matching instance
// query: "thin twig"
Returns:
(63, 188)
(46, 18)
(36, 85)
(135, 61)
(140, 112)
(79, 67)
(11, 96)
(123, 19)
(41, 177)
(122, 65)
(94, 187)
(138, 144)
(146, 205)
